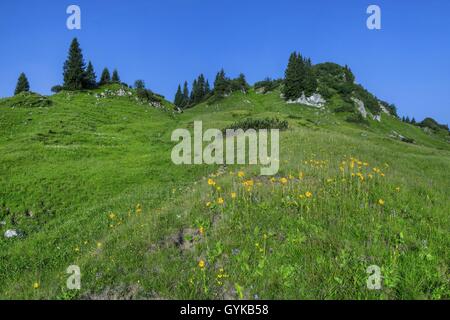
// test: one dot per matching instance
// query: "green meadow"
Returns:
(89, 181)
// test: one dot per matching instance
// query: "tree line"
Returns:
(201, 90)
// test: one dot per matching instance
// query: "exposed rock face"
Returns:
(383, 108)
(398, 136)
(377, 117)
(361, 107)
(316, 100)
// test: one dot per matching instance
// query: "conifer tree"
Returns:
(106, 77)
(207, 88)
(185, 95)
(115, 76)
(221, 84)
(90, 78)
(74, 67)
(22, 84)
(178, 101)
(293, 77)
(242, 83)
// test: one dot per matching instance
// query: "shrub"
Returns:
(57, 89)
(266, 123)
(268, 85)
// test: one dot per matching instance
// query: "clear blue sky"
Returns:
(166, 42)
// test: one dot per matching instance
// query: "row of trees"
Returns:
(201, 89)
(78, 77)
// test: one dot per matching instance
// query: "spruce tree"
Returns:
(74, 67)
(293, 77)
(221, 84)
(242, 83)
(185, 95)
(22, 84)
(90, 78)
(207, 88)
(106, 77)
(115, 76)
(178, 101)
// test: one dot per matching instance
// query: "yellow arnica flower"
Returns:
(220, 201)
(283, 180)
(211, 182)
(208, 204)
(36, 285)
(249, 183)
(397, 189)
(381, 202)
(233, 195)
(201, 264)
(112, 216)
(308, 194)
(201, 230)
(241, 174)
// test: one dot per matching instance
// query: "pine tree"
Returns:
(74, 67)
(22, 84)
(221, 84)
(293, 77)
(207, 88)
(185, 95)
(90, 78)
(115, 76)
(178, 101)
(242, 83)
(407, 119)
(106, 77)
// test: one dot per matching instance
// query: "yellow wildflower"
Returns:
(201, 264)
(36, 285)
(201, 230)
(381, 202)
(220, 201)
(241, 174)
(112, 216)
(211, 182)
(283, 180)
(308, 194)
(397, 189)
(233, 195)
(208, 204)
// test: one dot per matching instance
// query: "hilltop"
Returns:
(87, 180)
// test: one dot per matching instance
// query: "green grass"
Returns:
(90, 182)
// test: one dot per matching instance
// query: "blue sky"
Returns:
(167, 42)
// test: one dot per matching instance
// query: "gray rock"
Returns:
(11, 234)
(361, 107)
(316, 100)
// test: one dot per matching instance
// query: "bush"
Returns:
(266, 123)
(57, 88)
(268, 85)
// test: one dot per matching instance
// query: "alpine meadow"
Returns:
(358, 208)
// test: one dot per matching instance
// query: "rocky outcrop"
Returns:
(361, 107)
(316, 100)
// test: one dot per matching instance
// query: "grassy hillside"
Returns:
(89, 181)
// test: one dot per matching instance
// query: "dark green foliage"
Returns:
(370, 101)
(185, 95)
(139, 84)
(299, 77)
(390, 107)
(115, 76)
(221, 84)
(22, 84)
(266, 123)
(57, 88)
(239, 84)
(346, 107)
(433, 124)
(179, 100)
(74, 68)
(146, 95)
(90, 78)
(267, 85)
(105, 77)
